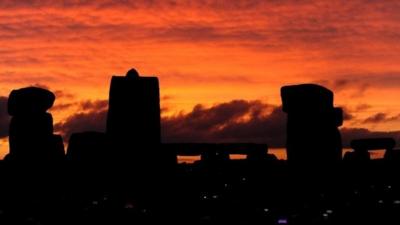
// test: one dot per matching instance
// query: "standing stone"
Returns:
(31, 127)
(134, 109)
(313, 136)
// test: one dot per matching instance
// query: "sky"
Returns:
(220, 63)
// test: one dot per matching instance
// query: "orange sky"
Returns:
(208, 52)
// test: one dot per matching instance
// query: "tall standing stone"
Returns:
(134, 109)
(312, 124)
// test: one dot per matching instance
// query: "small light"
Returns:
(389, 187)
(225, 185)
(380, 201)
(95, 202)
(266, 210)
(215, 196)
(282, 221)
(243, 178)
(329, 211)
(325, 215)
(397, 202)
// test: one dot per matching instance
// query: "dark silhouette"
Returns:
(31, 127)
(30, 100)
(373, 144)
(134, 109)
(88, 147)
(126, 176)
(362, 146)
(312, 125)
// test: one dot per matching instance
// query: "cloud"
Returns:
(234, 121)
(284, 23)
(252, 47)
(91, 117)
(355, 84)
(4, 117)
(64, 100)
(347, 115)
(80, 122)
(381, 118)
(270, 129)
(90, 37)
(91, 105)
(360, 82)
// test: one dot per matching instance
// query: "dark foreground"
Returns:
(126, 176)
(229, 192)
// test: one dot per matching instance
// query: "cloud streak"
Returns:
(381, 118)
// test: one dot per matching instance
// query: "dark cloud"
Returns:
(4, 117)
(357, 85)
(202, 118)
(91, 105)
(381, 118)
(360, 82)
(234, 121)
(91, 117)
(270, 129)
(259, 127)
(79, 122)
(347, 115)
